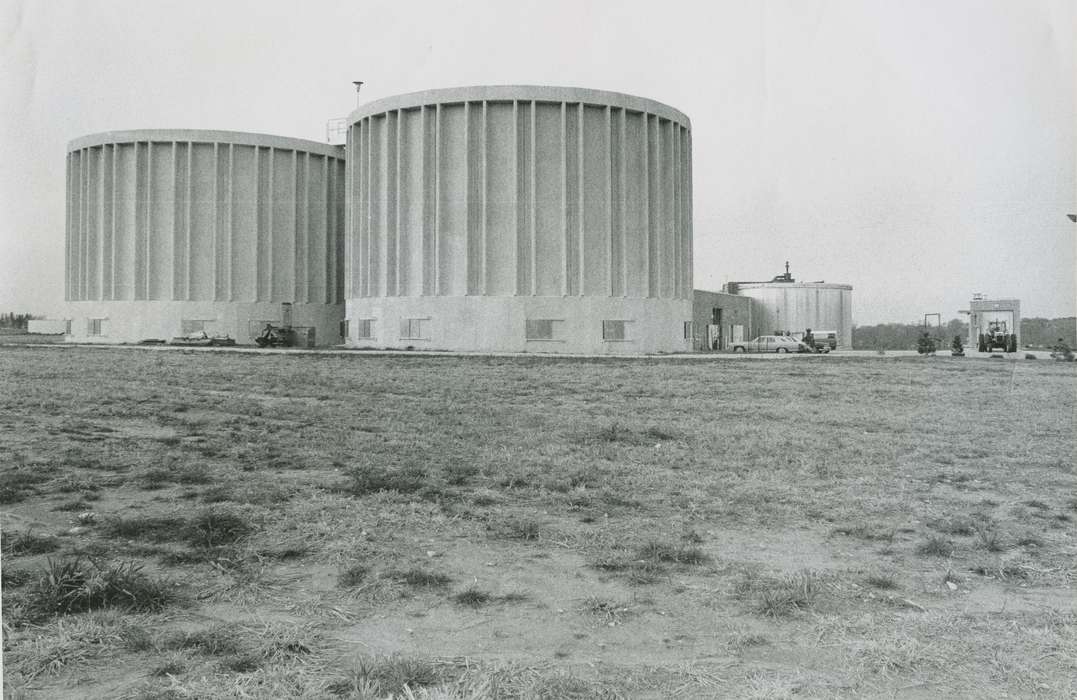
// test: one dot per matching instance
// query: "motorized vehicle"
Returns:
(772, 343)
(996, 337)
(276, 337)
(824, 341)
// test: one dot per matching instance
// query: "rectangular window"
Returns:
(364, 329)
(543, 329)
(67, 327)
(345, 329)
(613, 330)
(414, 328)
(688, 330)
(95, 326)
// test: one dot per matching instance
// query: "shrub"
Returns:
(69, 585)
(472, 598)
(777, 597)
(883, 582)
(386, 677)
(783, 597)
(215, 527)
(935, 546)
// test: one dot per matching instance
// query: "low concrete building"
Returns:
(719, 320)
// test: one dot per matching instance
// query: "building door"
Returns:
(737, 333)
(717, 342)
(714, 336)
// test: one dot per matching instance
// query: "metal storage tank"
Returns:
(519, 218)
(793, 307)
(175, 231)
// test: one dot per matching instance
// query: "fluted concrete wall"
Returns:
(796, 306)
(515, 193)
(203, 216)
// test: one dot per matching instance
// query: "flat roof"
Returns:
(206, 136)
(508, 93)
(792, 285)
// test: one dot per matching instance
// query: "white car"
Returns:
(771, 343)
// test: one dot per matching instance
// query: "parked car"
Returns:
(772, 343)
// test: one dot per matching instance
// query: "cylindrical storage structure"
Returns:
(519, 218)
(176, 232)
(794, 307)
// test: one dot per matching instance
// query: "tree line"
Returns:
(14, 320)
(1035, 332)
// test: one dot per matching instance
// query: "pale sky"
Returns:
(920, 151)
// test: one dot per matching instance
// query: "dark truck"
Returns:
(824, 341)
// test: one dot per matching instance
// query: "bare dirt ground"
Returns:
(188, 524)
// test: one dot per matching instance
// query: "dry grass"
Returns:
(323, 511)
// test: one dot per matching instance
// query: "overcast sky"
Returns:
(920, 151)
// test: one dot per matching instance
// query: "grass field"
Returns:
(183, 524)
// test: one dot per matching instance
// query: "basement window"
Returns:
(614, 331)
(414, 328)
(543, 329)
(364, 329)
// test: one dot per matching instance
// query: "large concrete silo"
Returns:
(516, 218)
(174, 231)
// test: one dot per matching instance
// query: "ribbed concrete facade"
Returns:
(476, 211)
(169, 228)
(796, 306)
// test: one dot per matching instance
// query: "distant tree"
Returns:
(898, 336)
(15, 320)
(957, 348)
(925, 344)
(1043, 332)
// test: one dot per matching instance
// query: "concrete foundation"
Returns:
(501, 324)
(134, 321)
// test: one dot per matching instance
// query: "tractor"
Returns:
(276, 337)
(997, 337)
